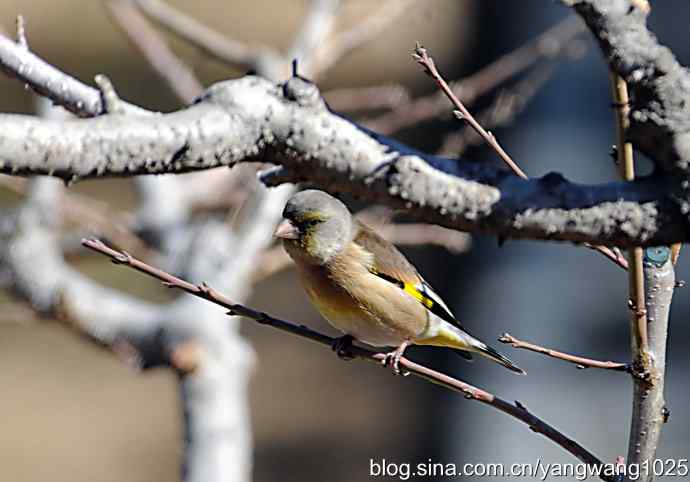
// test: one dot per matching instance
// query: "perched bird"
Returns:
(364, 286)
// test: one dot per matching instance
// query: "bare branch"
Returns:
(505, 107)
(80, 99)
(649, 412)
(317, 26)
(249, 120)
(651, 280)
(551, 44)
(660, 85)
(579, 361)
(91, 215)
(155, 50)
(626, 164)
(210, 42)
(21, 32)
(517, 410)
(422, 57)
(463, 114)
(341, 44)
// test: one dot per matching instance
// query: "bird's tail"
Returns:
(487, 351)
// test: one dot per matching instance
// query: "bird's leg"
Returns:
(392, 359)
(341, 346)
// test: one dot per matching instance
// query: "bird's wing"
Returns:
(392, 266)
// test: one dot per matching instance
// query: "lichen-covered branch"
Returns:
(659, 86)
(251, 119)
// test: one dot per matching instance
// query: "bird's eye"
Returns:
(309, 223)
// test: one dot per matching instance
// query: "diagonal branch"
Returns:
(365, 30)
(155, 50)
(422, 57)
(551, 44)
(504, 108)
(17, 61)
(209, 41)
(517, 410)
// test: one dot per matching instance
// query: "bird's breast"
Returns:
(361, 304)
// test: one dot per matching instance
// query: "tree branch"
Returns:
(659, 86)
(549, 45)
(19, 62)
(580, 362)
(463, 114)
(424, 59)
(249, 119)
(210, 42)
(155, 50)
(365, 30)
(517, 410)
(649, 411)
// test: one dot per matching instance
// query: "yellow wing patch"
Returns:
(427, 301)
(418, 295)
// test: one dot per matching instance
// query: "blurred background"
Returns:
(71, 411)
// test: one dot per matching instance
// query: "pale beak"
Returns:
(286, 230)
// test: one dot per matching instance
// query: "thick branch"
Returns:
(659, 86)
(19, 62)
(517, 410)
(251, 119)
(649, 410)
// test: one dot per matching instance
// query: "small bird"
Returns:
(364, 286)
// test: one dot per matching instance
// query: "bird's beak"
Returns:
(286, 230)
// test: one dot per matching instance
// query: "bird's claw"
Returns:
(392, 360)
(343, 347)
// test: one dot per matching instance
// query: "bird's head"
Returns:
(316, 226)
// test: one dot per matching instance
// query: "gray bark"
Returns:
(649, 410)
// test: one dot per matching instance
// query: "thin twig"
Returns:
(316, 28)
(504, 108)
(155, 50)
(21, 32)
(580, 362)
(209, 41)
(365, 30)
(90, 215)
(422, 57)
(626, 165)
(553, 43)
(517, 410)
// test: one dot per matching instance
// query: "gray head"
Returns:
(317, 226)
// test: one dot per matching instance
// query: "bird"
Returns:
(364, 287)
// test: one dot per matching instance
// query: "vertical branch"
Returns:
(651, 285)
(649, 411)
(626, 167)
